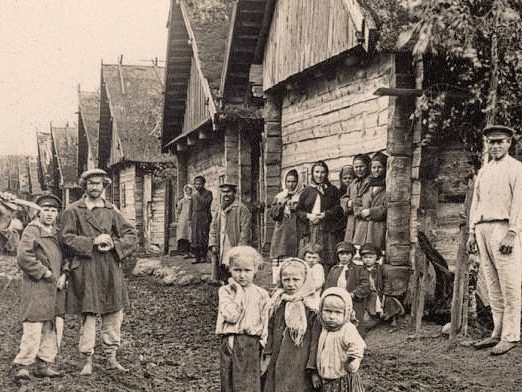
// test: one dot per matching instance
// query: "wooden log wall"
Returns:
(232, 154)
(272, 158)
(245, 165)
(158, 216)
(127, 189)
(147, 209)
(305, 33)
(196, 110)
(138, 205)
(335, 116)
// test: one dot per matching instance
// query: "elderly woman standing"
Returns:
(284, 239)
(318, 212)
(374, 202)
(356, 226)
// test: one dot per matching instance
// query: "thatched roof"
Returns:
(135, 95)
(65, 142)
(89, 107)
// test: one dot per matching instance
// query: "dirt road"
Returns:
(168, 344)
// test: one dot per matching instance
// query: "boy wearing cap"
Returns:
(352, 277)
(40, 259)
(495, 222)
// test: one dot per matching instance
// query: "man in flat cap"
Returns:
(231, 226)
(495, 223)
(99, 238)
(42, 296)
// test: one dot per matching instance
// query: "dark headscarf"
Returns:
(381, 180)
(342, 187)
(365, 159)
(326, 183)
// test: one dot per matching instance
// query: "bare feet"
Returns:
(112, 363)
(87, 367)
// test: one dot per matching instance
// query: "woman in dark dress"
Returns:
(318, 213)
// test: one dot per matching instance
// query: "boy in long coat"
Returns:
(40, 259)
(99, 238)
(231, 226)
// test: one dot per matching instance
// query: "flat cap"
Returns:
(491, 129)
(345, 247)
(228, 185)
(93, 172)
(369, 248)
(48, 200)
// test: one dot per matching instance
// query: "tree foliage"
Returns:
(473, 67)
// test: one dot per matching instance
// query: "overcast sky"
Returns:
(48, 47)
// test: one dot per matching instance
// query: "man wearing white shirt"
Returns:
(495, 224)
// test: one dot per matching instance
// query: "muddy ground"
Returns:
(168, 344)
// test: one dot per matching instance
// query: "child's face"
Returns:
(347, 178)
(48, 215)
(369, 259)
(292, 279)
(344, 257)
(243, 272)
(332, 311)
(312, 258)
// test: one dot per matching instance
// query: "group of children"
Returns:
(305, 336)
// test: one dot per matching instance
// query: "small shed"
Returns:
(131, 100)
(88, 115)
(211, 120)
(65, 155)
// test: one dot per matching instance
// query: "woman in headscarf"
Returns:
(346, 177)
(284, 239)
(318, 213)
(374, 202)
(356, 226)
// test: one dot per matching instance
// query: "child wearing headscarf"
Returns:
(356, 226)
(242, 323)
(287, 357)
(340, 348)
(374, 202)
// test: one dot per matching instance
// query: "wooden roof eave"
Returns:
(231, 34)
(114, 128)
(181, 139)
(364, 23)
(55, 150)
(204, 82)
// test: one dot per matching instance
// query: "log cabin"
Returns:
(212, 120)
(19, 175)
(131, 98)
(88, 115)
(65, 156)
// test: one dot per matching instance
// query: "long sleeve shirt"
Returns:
(244, 311)
(498, 194)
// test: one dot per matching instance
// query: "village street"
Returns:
(169, 345)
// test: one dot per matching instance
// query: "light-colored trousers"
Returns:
(40, 340)
(503, 279)
(110, 332)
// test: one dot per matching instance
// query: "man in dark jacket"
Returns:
(99, 238)
(201, 218)
(40, 259)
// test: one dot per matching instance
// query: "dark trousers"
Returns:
(184, 246)
(200, 253)
(240, 366)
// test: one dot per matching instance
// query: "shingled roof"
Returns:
(135, 95)
(65, 142)
(46, 170)
(89, 112)
(200, 32)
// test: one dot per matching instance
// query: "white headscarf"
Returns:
(349, 314)
(295, 310)
(289, 197)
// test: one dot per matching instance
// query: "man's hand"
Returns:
(62, 281)
(214, 249)
(316, 380)
(506, 245)
(47, 275)
(471, 245)
(313, 218)
(365, 213)
(102, 238)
